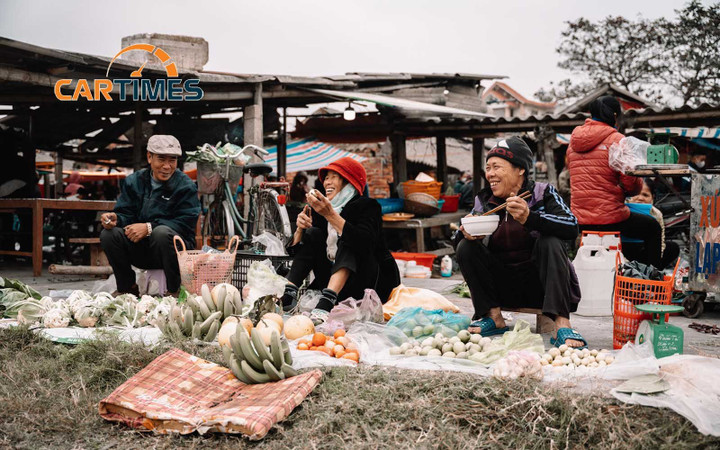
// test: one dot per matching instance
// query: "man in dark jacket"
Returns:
(341, 242)
(155, 204)
(523, 263)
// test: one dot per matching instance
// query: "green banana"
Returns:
(227, 308)
(237, 300)
(213, 331)
(209, 321)
(272, 372)
(252, 374)
(175, 331)
(286, 352)
(227, 354)
(193, 305)
(204, 311)
(235, 346)
(259, 345)
(188, 322)
(249, 353)
(220, 298)
(237, 371)
(276, 349)
(288, 371)
(196, 330)
(207, 297)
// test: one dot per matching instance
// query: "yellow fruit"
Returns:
(267, 324)
(277, 318)
(247, 324)
(298, 326)
(228, 329)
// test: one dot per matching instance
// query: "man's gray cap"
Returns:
(164, 144)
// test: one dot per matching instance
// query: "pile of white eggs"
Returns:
(568, 356)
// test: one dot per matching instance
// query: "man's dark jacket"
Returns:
(174, 204)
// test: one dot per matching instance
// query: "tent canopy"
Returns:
(309, 154)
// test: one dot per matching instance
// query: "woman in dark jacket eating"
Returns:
(339, 238)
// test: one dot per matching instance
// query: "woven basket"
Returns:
(428, 187)
(198, 267)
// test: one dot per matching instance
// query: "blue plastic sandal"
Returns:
(563, 334)
(487, 327)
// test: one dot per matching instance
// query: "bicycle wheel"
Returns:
(272, 216)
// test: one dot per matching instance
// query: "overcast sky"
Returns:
(327, 37)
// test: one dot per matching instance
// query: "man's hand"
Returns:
(320, 203)
(136, 231)
(304, 219)
(108, 220)
(517, 208)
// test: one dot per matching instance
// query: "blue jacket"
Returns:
(175, 204)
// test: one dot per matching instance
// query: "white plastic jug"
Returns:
(595, 267)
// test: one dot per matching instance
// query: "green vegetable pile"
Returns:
(461, 289)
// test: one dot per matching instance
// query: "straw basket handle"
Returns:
(233, 240)
(177, 239)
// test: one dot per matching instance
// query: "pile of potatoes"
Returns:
(462, 346)
(568, 356)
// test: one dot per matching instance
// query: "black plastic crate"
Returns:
(244, 258)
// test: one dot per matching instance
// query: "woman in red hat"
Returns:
(339, 238)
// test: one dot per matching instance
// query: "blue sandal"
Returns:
(563, 334)
(487, 327)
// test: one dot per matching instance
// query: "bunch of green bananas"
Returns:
(253, 362)
(183, 323)
(224, 298)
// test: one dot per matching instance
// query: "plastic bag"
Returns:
(518, 364)
(349, 311)
(420, 323)
(627, 153)
(519, 338)
(262, 281)
(309, 300)
(273, 246)
(406, 297)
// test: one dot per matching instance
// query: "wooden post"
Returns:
(546, 138)
(478, 168)
(58, 175)
(253, 134)
(399, 159)
(138, 137)
(282, 147)
(441, 151)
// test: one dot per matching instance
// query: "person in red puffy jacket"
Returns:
(598, 191)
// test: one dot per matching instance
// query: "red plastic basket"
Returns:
(451, 203)
(636, 291)
(423, 259)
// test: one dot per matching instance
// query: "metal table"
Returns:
(38, 205)
(420, 224)
(662, 174)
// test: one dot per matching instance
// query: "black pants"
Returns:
(153, 252)
(544, 283)
(311, 255)
(637, 226)
(635, 250)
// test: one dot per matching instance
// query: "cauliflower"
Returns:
(162, 309)
(56, 318)
(77, 300)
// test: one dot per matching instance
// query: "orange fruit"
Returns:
(318, 339)
(338, 333)
(302, 346)
(351, 356)
(325, 350)
(339, 354)
(342, 340)
(313, 347)
(338, 348)
(304, 341)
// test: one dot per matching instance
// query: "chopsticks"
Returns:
(523, 196)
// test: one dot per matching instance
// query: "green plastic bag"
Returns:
(419, 323)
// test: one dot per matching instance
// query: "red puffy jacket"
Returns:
(597, 191)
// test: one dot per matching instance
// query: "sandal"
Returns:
(563, 334)
(486, 327)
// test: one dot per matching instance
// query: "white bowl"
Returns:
(480, 225)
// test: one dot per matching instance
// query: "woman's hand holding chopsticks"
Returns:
(517, 207)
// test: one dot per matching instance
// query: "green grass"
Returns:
(49, 395)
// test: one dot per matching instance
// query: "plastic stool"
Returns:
(156, 281)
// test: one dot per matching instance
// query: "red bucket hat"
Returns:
(349, 169)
